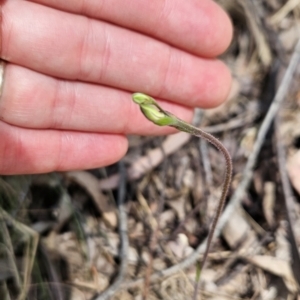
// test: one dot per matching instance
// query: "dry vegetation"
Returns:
(60, 234)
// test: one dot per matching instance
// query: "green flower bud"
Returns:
(152, 111)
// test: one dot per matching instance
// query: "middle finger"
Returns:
(77, 48)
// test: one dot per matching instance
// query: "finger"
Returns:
(39, 151)
(40, 101)
(204, 28)
(72, 47)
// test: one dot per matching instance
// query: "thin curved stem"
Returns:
(186, 127)
(153, 112)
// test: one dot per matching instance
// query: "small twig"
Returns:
(283, 11)
(258, 33)
(123, 237)
(234, 123)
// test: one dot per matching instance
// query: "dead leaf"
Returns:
(179, 206)
(91, 185)
(180, 247)
(237, 231)
(278, 267)
(268, 202)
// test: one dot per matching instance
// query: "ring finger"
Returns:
(43, 102)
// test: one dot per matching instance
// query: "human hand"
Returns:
(73, 65)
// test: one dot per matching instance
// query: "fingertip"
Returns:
(216, 86)
(28, 151)
(224, 85)
(221, 32)
(121, 150)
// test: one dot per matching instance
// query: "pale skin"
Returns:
(72, 66)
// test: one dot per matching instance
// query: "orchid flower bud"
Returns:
(152, 111)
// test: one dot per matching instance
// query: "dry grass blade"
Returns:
(257, 31)
(31, 239)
